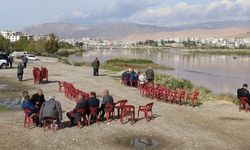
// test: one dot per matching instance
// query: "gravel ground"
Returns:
(214, 125)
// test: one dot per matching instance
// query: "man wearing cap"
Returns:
(51, 109)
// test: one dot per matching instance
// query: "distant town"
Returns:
(187, 42)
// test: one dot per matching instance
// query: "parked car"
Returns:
(4, 56)
(31, 57)
(3, 64)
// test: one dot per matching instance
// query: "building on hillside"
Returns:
(14, 36)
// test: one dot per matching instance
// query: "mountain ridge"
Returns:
(119, 31)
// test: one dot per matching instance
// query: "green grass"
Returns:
(81, 63)
(2, 109)
(120, 64)
(223, 52)
(64, 60)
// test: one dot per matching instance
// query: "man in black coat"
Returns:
(38, 98)
(243, 92)
(74, 116)
(150, 75)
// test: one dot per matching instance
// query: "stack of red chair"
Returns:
(40, 74)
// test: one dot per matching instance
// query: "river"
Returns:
(219, 73)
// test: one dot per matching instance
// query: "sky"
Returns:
(18, 14)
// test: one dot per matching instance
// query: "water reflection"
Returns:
(143, 143)
(220, 73)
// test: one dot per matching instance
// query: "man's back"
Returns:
(241, 92)
(51, 108)
(93, 102)
(107, 100)
(82, 104)
(149, 74)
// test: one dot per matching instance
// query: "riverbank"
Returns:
(213, 125)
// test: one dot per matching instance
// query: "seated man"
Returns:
(32, 110)
(243, 92)
(133, 77)
(51, 109)
(125, 76)
(74, 116)
(93, 102)
(141, 78)
(38, 98)
(107, 99)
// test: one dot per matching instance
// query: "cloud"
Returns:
(184, 13)
(158, 12)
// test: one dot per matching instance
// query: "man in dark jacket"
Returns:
(11, 60)
(51, 109)
(95, 65)
(24, 60)
(243, 92)
(38, 99)
(20, 68)
(93, 101)
(74, 116)
(150, 75)
(107, 99)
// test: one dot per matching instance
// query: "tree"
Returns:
(51, 45)
(4, 44)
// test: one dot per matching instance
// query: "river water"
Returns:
(219, 73)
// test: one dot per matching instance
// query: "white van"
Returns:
(18, 54)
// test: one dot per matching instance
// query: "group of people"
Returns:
(133, 78)
(21, 67)
(85, 105)
(39, 109)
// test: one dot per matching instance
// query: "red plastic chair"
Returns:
(125, 81)
(36, 75)
(193, 96)
(146, 109)
(110, 112)
(128, 110)
(243, 103)
(167, 95)
(93, 113)
(181, 96)
(83, 113)
(61, 85)
(119, 105)
(27, 119)
(44, 74)
(48, 121)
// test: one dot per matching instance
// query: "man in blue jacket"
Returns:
(27, 105)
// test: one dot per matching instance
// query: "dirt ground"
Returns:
(214, 125)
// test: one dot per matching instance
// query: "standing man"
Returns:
(20, 68)
(38, 98)
(243, 92)
(96, 64)
(25, 61)
(11, 60)
(150, 75)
